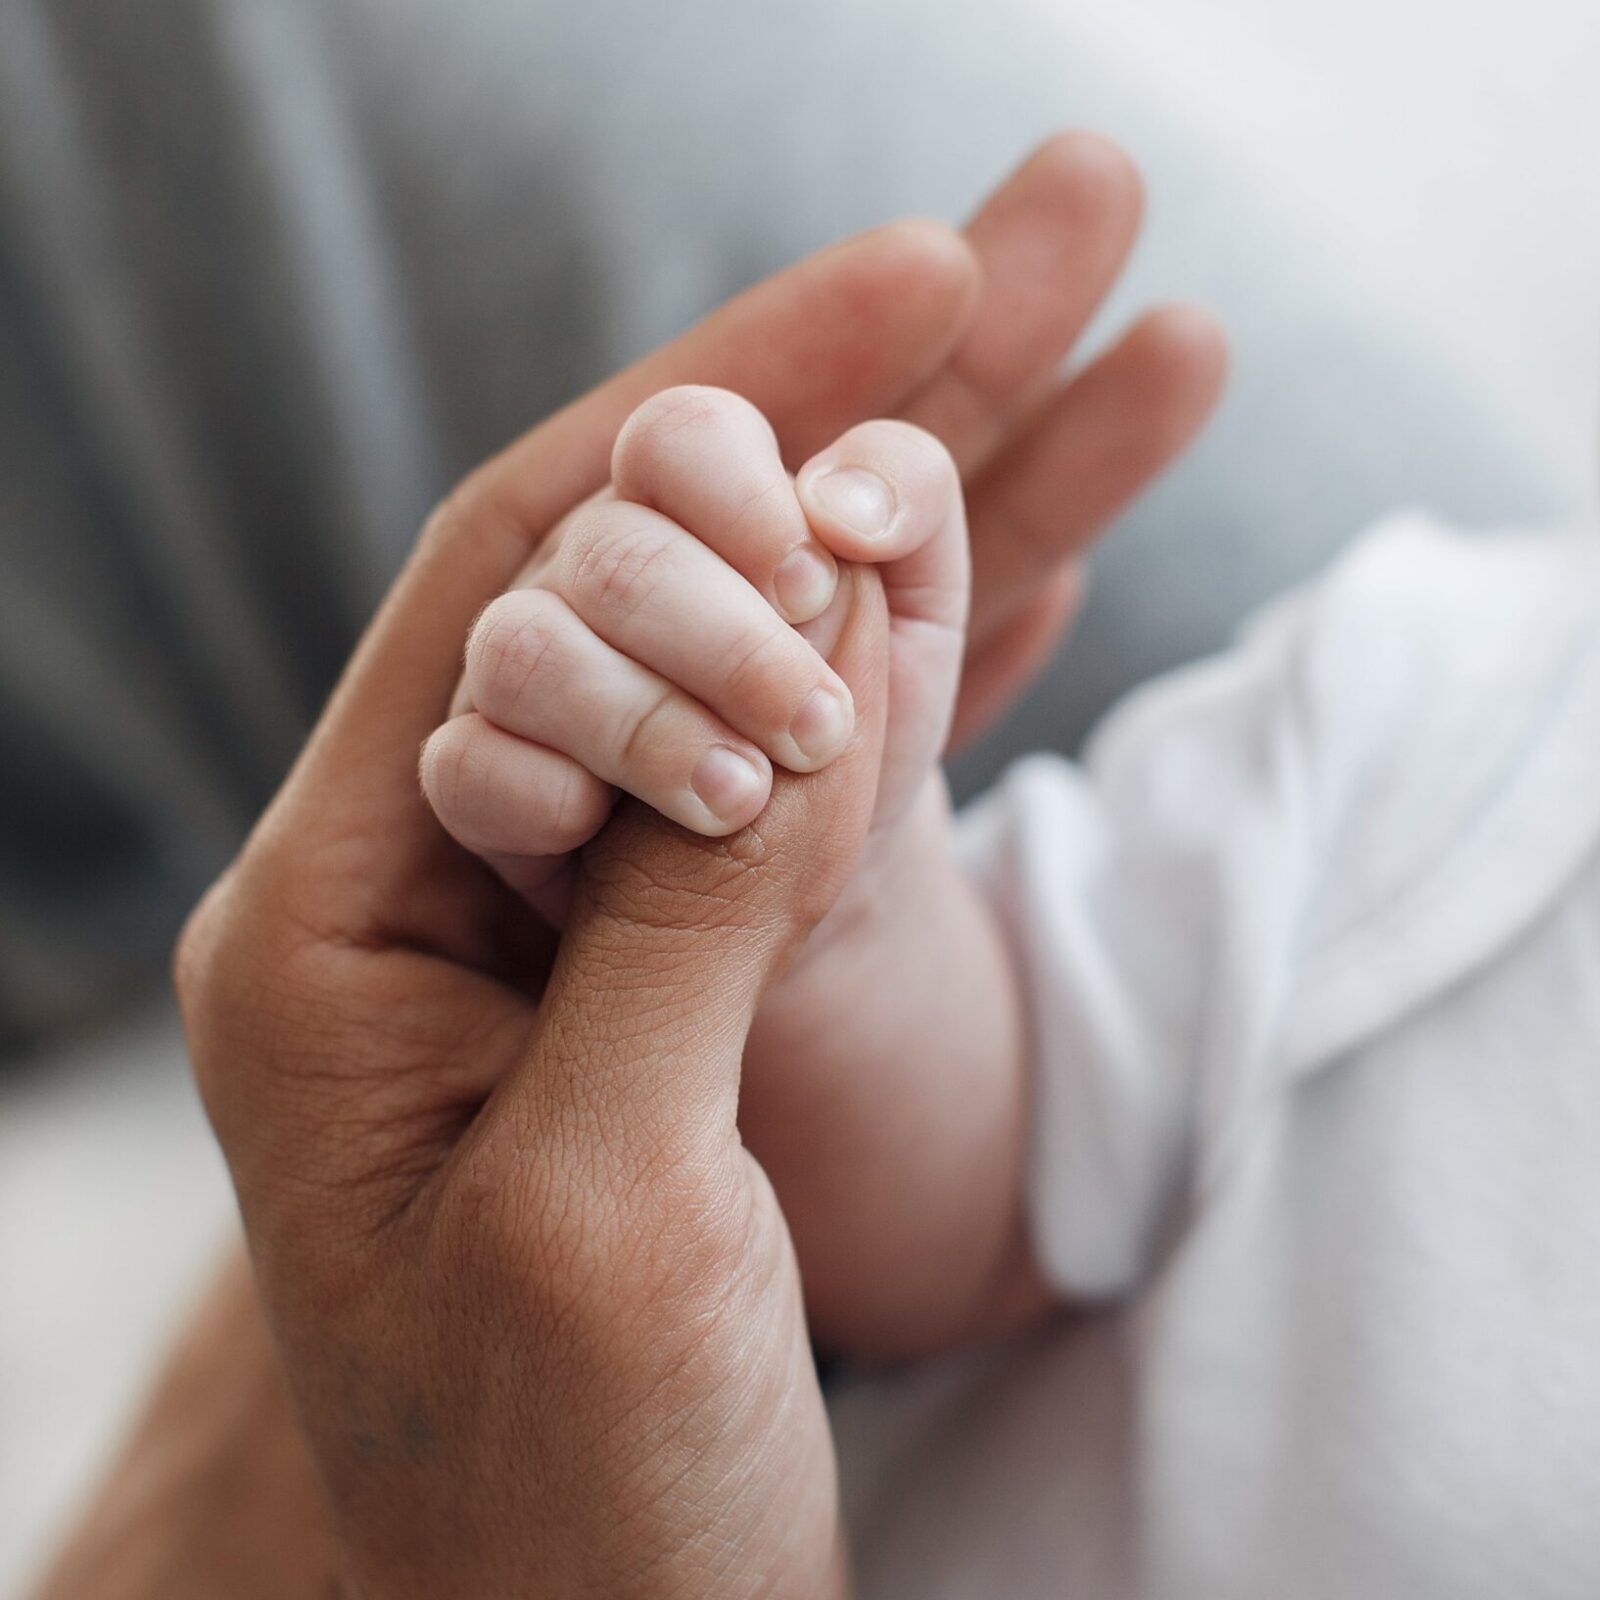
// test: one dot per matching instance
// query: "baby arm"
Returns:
(671, 640)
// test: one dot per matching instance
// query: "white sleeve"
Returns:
(1150, 901)
(1243, 827)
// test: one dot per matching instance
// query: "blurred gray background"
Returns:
(273, 272)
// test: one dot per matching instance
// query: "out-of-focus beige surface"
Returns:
(112, 1198)
(1464, 131)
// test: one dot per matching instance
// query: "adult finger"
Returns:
(357, 1068)
(1051, 241)
(1087, 453)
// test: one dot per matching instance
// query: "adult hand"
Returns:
(419, 968)
(536, 1303)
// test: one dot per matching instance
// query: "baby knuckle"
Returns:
(759, 665)
(617, 567)
(456, 777)
(517, 641)
(660, 427)
(637, 725)
(575, 804)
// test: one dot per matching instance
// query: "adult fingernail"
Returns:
(727, 784)
(861, 500)
(821, 727)
(804, 582)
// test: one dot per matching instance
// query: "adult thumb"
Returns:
(673, 938)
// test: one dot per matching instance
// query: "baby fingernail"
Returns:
(803, 583)
(726, 783)
(861, 500)
(821, 727)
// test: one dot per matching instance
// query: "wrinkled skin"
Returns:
(536, 1306)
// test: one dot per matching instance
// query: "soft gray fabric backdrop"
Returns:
(271, 275)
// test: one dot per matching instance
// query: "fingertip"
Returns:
(869, 322)
(1192, 339)
(852, 506)
(921, 273)
(1092, 165)
(821, 729)
(879, 492)
(1082, 187)
(429, 756)
(1187, 353)
(729, 789)
(804, 583)
(674, 425)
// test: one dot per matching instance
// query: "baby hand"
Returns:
(670, 638)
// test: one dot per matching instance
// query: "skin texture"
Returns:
(634, 644)
(448, 1188)
(883, 1085)
(537, 1304)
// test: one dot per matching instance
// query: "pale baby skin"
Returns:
(670, 640)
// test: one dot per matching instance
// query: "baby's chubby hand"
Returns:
(670, 638)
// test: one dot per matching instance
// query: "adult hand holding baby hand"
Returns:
(536, 1303)
(358, 987)
(648, 646)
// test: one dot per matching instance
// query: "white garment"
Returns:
(1313, 953)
